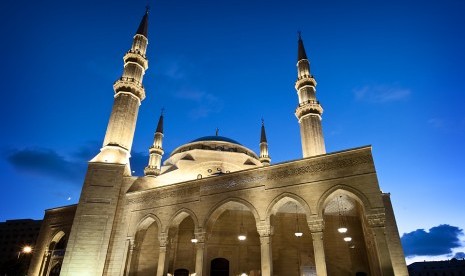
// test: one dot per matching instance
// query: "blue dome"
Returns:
(216, 138)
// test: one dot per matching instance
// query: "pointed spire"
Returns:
(143, 26)
(301, 51)
(263, 134)
(160, 122)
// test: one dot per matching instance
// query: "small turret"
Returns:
(156, 151)
(264, 156)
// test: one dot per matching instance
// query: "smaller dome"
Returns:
(215, 138)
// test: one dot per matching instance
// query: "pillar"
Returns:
(316, 228)
(163, 238)
(199, 253)
(265, 231)
(376, 223)
(131, 246)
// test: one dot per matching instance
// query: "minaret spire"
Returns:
(264, 156)
(156, 151)
(309, 110)
(129, 93)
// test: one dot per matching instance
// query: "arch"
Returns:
(57, 237)
(146, 221)
(282, 199)
(219, 267)
(347, 190)
(229, 203)
(180, 215)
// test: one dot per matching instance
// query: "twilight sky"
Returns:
(390, 74)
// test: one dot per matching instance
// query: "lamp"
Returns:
(297, 232)
(342, 226)
(242, 235)
(347, 239)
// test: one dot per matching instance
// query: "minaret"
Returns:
(309, 110)
(264, 157)
(156, 151)
(129, 93)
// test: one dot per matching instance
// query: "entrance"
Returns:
(181, 272)
(219, 267)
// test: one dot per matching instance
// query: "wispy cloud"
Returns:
(205, 103)
(459, 255)
(48, 163)
(45, 162)
(381, 93)
(436, 122)
(439, 240)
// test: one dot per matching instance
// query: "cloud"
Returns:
(436, 122)
(381, 93)
(206, 103)
(45, 162)
(459, 255)
(438, 240)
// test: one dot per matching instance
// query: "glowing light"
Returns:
(27, 249)
(242, 237)
(347, 239)
(298, 234)
(352, 246)
(244, 274)
(194, 240)
(342, 230)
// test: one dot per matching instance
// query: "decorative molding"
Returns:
(242, 181)
(376, 220)
(264, 229)
(316, 225)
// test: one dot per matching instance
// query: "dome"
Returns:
(215, 138)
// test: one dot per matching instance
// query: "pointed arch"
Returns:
(282, 199)
(180, 215)
(229, 203)
(57, 236)
(349, 191)
(146, 221)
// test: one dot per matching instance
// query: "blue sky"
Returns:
(389, 73)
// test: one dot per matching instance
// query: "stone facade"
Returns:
(185, 216)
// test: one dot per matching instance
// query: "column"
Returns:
(376, 222)
(131, 246)
(200, 252)
(316, 228)
(265, 231)
(163, 238)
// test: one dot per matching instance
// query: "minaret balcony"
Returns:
(305, 80)
(131, 85)
(156, 150)
(308, 107)
(151, 171)
(137, 57)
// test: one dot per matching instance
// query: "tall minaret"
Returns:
(264, 156)
(129, 93)
(309, 110)
(156, 151)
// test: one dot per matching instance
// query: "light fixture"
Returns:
(242, 236)
(194, 240)
(352, 246)
(244, 274)
(342, 225)
(297, 232)
(347, 239)
(27, 249)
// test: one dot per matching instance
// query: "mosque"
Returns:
(215, 207)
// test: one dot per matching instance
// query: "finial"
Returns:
(162, 111)
(216, 132)
(147, 8)
(263, 122)
(299, 33)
